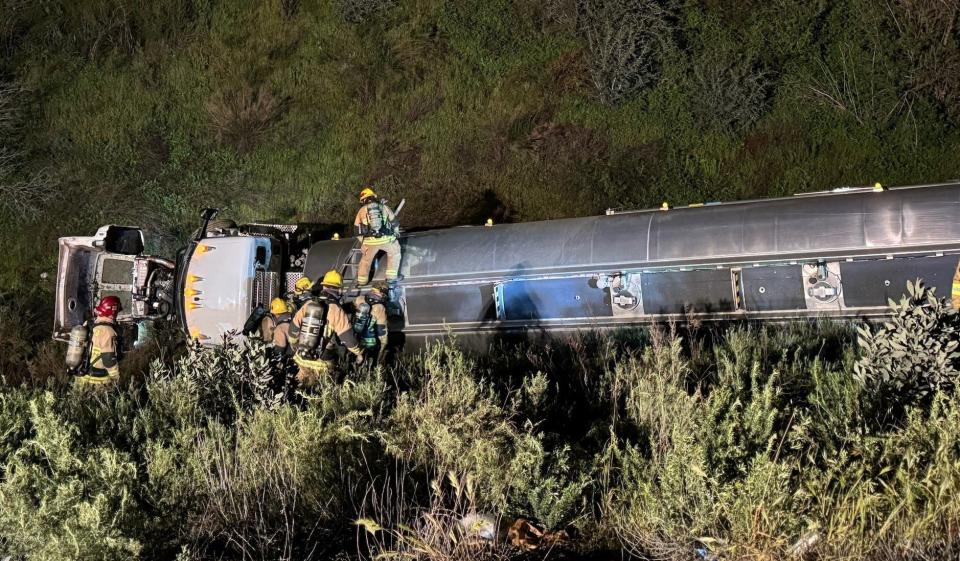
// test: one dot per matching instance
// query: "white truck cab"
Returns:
(218, 279)
(221, 278)
(110, 263)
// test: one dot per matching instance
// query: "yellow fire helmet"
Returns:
(366, 194)
(303, 284)
(332, 278)
(278, 306)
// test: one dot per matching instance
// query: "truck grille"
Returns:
(266, 287)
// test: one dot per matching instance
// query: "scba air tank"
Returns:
(311, 329)
(77, 347)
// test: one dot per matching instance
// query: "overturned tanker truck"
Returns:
(839, 253)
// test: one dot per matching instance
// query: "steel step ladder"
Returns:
(349, 269)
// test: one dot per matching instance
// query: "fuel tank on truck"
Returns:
(838, 253)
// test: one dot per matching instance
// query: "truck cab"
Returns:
(222, 277)
(217, 280)
(110, 263)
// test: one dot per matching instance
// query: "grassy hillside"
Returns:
(520, 110)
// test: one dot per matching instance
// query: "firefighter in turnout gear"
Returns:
(301, 292)
(376, 226)
(104, 369)
(275, 326)
(370, 320)
(315, 330)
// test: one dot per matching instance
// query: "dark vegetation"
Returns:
(738, 441)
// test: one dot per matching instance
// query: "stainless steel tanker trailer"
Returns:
(839, 253)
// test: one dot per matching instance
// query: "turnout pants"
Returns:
(369, 251)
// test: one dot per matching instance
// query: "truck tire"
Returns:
(221, 224)
(216, 224)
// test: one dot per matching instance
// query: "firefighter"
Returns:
(104, 369)
(275, 326)
(301, 292)
(376, 226)
(370, 320)
(316, 329)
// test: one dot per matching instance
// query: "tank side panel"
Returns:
(767, 289)
(828, 224)
(447, 252)
(540, 299)
(544, 245)
(931, 215)
(326, 255)
(698, 232)
(680, 292)
(622, 238)
(883, 221)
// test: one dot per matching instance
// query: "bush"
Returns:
(240, 118)
(701, 466)
(626, 42)
(914, 353)
(731, 95)
(358, 11)
(227, 380)
(453, 422)
(19, 197)
(65, 501)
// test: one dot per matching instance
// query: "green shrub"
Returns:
(914, 353)
(227, 380)
(732, 94)
(64, 501)
(626, 42)
(454, 422)
(358, 11)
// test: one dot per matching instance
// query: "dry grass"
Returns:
(242, 117)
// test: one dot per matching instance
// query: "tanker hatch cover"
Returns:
(679, 292)
(872, 283)
(560, 298)
(767, 289)
(462, 303)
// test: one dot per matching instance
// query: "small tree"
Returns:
(914, 354)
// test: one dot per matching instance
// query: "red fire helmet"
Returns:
(108, 306)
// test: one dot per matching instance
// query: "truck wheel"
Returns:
(221, 224)
(216, 224)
